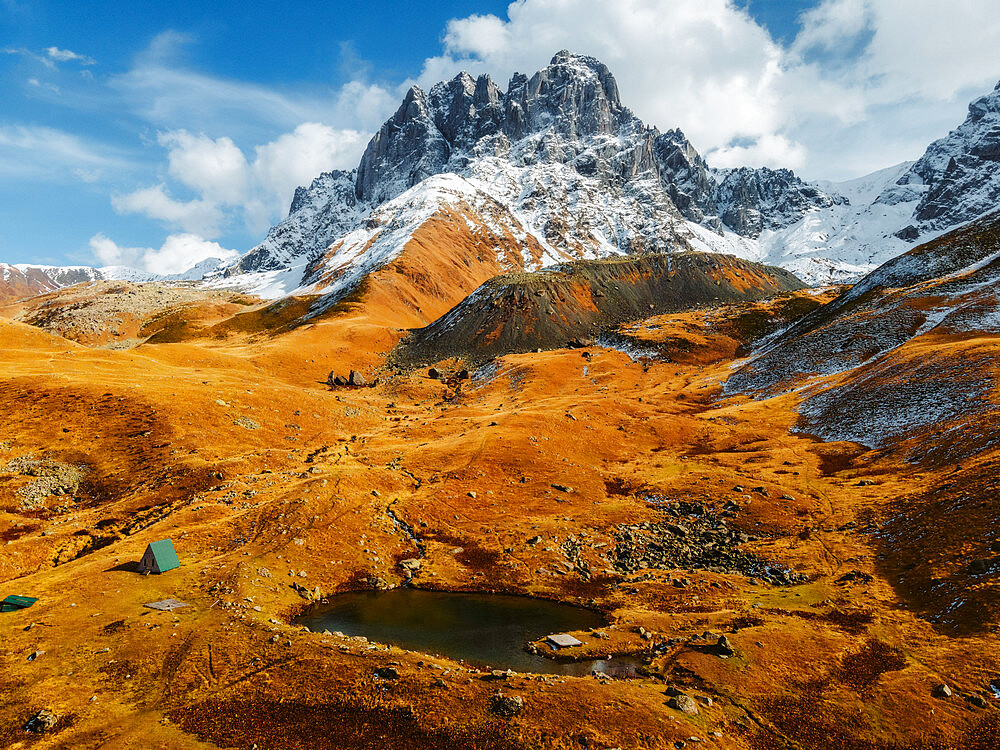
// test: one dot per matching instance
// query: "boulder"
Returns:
(357, 379)
(683, 703)
(506, 706)
(942, 691)
(340, 380)
(41, 722)
(433, 373)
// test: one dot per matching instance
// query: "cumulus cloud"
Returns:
(198, 215)
(179, 253)
(227, 183)
(216, 169)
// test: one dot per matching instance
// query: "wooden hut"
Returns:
(159, 557)
(13, 603)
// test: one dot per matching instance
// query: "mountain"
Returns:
(577, 171)
(940, 291)
(884, 213)
(525, 312)
(585, 178)
(581, 176)
(22, 280)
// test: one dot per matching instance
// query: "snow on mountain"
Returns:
(577, 169)
(956, 181)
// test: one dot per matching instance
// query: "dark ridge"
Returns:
(523, 312)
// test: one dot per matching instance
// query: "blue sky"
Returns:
(156, 134)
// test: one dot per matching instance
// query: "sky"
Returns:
(159, 134)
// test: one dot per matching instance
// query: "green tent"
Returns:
(159, 557)
(13, 603)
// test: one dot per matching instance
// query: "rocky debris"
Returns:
(942, 691)
(693, 537)
(855, 576)
(683, 703)
(246, 423)
(41, 722)
(411, 567)
(506, 706)
(52, 478)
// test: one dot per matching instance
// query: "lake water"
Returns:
(484, 630)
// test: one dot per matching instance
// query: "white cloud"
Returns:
(225, 181)
(179, 253)
(216, 169)
(199, 215)
(65, 55)
(769, 150)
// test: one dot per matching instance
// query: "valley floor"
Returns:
(278, 491)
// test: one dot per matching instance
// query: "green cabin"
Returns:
(159, 557)
(14, 603)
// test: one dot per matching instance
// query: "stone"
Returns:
(357, 379)
(976, 700)
(41, 722)
(724, 647)
(412, 564)
(506, 706)
(433, 373)
(980, 566)
(387, 673)
(562, 488)
(684, 704)
(463, 375)
(340, 380)
(942, 691)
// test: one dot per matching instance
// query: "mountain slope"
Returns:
(524, 312)
(944, 290)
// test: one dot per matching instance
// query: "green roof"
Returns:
(14, 602)
(166, 557)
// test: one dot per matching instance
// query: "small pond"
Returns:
(484, 630)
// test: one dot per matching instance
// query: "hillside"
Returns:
(547, 309)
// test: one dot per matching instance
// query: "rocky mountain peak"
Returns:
(559, 150)
(960, 170)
